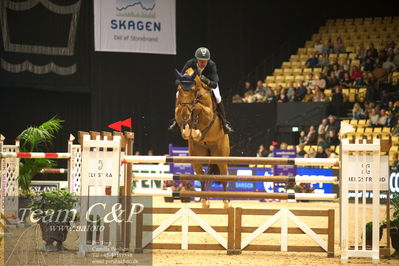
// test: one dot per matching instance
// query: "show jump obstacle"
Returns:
(106, 166)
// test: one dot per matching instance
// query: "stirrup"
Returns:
(173, 126)
(227, 128)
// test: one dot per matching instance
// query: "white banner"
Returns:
(137, 26)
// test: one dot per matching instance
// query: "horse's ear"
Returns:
(178, 74)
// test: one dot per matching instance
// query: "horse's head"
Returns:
(189, 84)
(187, 81)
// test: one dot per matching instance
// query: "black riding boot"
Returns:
(173, 125)
(226, 125)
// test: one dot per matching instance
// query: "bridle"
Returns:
(195, 120)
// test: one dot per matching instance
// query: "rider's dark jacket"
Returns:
(209, 71)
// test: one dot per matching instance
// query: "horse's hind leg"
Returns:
(198, 170)
(223, 171)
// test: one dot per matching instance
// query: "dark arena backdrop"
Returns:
(107, 87)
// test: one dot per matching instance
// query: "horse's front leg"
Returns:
(198, 170)
(223, 171)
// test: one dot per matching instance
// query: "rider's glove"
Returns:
(205, 80)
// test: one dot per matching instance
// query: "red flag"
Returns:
(127, 123)
(117, 126)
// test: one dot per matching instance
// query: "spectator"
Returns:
(322, 142)
(396, 57)
(311, 153)
(323, 60)
(339, 46)
(337, 101)
(382, 120)
(260, 96)
(346, 81)
(332, 80)
(394, 166)
(358, 112)
(381, 76)
(356, 73)
(260, 87)
(311, 81)
(312, 62)
(323, 126)
(318, 46)
(341, 72)
(316, 94)
(308, 96)
(247, 87)
(334, 65)
(261, 151)
(361, 53)
(371, 51)
(389, 65)
(333, 124)
(382, 56)
(270, 152)
(395, 108)
(271, 98)
(302, 137)
(237, 99)
(320, 81)
(323, 97)
(390, 119)
(249, 97)
(395, 130)
(331, 153)
(311, 137)
(282, 98)
(328, 47)
(283, 146)
(373, 118)
(301, 90)
(301, 152)
(320, 152)
(290, 89)
(368, 106)
(323, 132)
(390, 106)
(332, 138)
(385, 99)
(369, 64)
(362, 81)
(294, 97)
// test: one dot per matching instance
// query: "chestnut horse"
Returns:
(195, 113)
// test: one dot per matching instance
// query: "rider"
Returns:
(208, 73)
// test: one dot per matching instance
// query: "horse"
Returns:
(196, 116)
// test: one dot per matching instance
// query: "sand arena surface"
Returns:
(24, 245)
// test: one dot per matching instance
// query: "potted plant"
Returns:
(185, 186)
(54, 211)
(369, 233)
(299, 188)
(171, 186)
(394, 224)
(33, 139)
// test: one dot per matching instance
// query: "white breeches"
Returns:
(216, 92)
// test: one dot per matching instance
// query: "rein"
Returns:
(190, 106)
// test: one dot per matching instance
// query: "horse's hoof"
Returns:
(186, 132)
(184, 136)
(226, 204)
(196, 134)
(203, 203)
